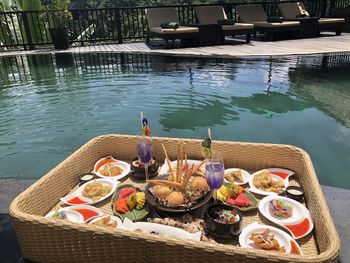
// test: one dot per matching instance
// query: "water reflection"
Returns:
(270, 102)
(51, 104)
(326, 85)
(197, 113)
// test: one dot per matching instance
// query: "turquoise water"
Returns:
(51, 105)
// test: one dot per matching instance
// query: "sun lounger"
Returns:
(255, 14)
(297, 10)
(212, 14)
(158, 16)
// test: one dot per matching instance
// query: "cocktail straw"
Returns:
(141, 113)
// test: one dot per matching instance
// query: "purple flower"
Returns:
(144, 122)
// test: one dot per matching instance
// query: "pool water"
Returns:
(52, 104)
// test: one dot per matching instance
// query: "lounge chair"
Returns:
(158, 16)
(212, 14)
(255, 14)
(295, 10)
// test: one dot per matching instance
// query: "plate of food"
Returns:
(77, 213)
(161, 230)
(236, 196)
(181, 188)
(190, 163)
(268, 238)
(108, 167)
(107, 221)
(287, 213)
(130, 202)
(237, 176)
(166, 196)
(65, 214)
(91, 192)
(271, 181)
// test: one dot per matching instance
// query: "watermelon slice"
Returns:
(240, 201)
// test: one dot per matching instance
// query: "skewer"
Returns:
(198, 166)
(209, 133)
(141, 113)
(181, 164)
(167, 159)
(177, 162)
(187, 177)
(165, 183)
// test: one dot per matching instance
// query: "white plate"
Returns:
(125, 166)
(78, 193)
(300, 213)
(162, 230)
(75, 207)
(278, 174)
(282, 237)
(244, 173)
(72, 216)
(113, 219)
(165, 169)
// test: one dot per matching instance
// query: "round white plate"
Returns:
(275, 177)
(282, 237)
(72, 216)
(125, 166)
(300, 213)
(298, 210)
(244, 173)
(113, 219)
(165, 169)
(89, 207)
(162, 230)
(78, 193)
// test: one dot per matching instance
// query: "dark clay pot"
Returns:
(59, 38)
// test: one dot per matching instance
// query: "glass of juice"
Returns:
(145, 152)
(214, 171)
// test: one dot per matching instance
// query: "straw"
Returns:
(141, 113)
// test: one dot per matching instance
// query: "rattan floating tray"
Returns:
(47, 240)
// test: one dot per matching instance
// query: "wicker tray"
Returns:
(47, 240)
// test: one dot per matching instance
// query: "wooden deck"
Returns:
(325, 44)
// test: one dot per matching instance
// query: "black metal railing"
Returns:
(28, 30)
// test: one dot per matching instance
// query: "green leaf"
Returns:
(206, 143)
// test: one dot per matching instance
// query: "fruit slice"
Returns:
(240, 201)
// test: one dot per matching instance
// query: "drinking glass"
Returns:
(214, 172)
(145, 152)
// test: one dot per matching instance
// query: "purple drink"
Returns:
(214, 174)
(144, 152)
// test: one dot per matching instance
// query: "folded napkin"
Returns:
(170, 25)
(273, 19)
(226, 22)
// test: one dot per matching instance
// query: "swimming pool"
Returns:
(52, 104)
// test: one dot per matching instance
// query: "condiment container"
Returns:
(295, 192)
(87, 177)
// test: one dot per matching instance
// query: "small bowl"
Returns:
(139, 171)
(87, 177)
(221, 230)
(292, 192)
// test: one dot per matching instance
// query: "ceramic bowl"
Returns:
(218, 229)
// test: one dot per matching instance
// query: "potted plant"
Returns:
(57, 15)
